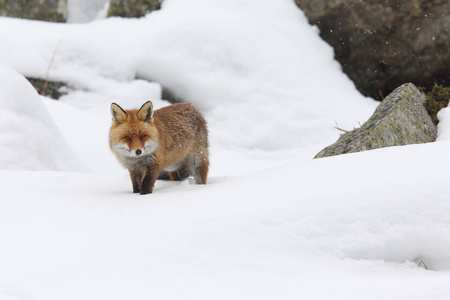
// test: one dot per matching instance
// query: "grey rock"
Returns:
(383, 44)
(132, 8)
(43, 10)
(401, 119)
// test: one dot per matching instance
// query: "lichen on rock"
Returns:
(43, 10)
(437, 99)
(401, 119)
(132, 8)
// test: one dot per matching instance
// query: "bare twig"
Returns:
(380, 93)
(49, 67)
(338, 128)
(422, 262)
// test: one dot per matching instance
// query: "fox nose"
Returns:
(138, 152)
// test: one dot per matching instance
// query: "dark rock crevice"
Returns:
(52, 89)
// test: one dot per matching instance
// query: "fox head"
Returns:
(133, 132)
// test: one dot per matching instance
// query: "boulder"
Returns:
(383, 44)
(132, 8)
(400, 119)
(43, 10)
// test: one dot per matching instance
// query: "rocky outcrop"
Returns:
(400, 119)
(132, 8)
(383, 44)
(43, 10)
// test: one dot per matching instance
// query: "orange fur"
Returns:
(169, 139)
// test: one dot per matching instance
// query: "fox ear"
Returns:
(118, 114)
(145, 113)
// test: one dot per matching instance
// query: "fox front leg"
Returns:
(136, 180)
(149, 179)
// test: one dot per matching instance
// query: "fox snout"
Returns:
(125, 150)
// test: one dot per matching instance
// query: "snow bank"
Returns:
(444, 125)
(82, 11)
(29, 139)
(347, 227)
(260, 73)
(265, 78)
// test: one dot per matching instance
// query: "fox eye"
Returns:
(143, 136)
(127, 138)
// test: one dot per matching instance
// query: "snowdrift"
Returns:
(29, 139)
(347, 227)
(261, 73)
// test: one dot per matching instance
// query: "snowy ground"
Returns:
(271, 224)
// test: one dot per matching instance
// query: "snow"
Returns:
(29, 139)
(86, 11)
(228, 66)
(272, 223)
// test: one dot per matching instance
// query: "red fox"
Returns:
(169, 139)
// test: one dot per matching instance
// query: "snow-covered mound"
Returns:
(347, 227)
(29, 139)
(258, 70)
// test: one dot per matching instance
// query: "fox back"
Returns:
(148, 142)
